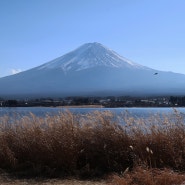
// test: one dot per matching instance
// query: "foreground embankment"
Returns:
(95, 145)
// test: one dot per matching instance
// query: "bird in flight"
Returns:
(155, 73)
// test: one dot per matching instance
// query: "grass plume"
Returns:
(91, 145)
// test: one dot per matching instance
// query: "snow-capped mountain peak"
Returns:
(91, 70)
(89, 55)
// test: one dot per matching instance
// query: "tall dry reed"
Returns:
(90, 145)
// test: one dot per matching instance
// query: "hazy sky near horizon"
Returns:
(148, 32)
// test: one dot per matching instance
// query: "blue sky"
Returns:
(148, 32)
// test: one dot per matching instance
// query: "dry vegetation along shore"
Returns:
(142, 151)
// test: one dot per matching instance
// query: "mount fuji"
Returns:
(91, 70)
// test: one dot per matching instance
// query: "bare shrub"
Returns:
(142, 176)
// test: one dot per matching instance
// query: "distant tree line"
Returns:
(177, 100)
(109, 101)
(10, 103)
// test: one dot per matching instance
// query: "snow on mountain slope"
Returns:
(91, 70)
(88, 56)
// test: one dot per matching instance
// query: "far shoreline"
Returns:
(91, 106)
(80, 106)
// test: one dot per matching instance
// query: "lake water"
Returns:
(42, 111)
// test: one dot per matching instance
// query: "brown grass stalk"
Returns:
(90, 145)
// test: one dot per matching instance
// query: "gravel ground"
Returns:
(6, 181)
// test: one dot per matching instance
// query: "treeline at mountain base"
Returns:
(109, 101)
(95, 145)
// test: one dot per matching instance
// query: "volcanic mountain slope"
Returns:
(91, 70)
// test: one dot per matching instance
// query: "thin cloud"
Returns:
(15, 71)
